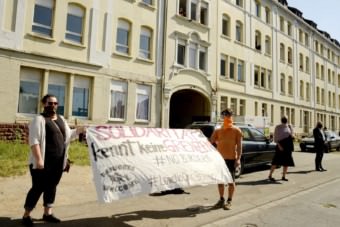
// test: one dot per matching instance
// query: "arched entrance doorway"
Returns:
(187, 106)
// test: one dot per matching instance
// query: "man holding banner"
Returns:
(229, 143)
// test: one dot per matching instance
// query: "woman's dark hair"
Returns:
(47, 96)
(284, 120)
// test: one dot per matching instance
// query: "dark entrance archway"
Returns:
(187, 106)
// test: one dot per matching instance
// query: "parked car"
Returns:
(333, 142)
(257, 149)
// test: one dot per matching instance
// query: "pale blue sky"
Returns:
(325, 13)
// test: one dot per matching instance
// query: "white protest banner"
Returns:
(128, 161)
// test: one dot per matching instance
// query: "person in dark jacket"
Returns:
(319, 145)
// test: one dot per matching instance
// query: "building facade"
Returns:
(167, 63)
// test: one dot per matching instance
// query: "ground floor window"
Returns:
(143, 102)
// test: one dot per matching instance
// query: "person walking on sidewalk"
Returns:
(284, 139)
(49, 139)
(319, 145)
(228, 140)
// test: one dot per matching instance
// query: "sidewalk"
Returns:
(76, 202)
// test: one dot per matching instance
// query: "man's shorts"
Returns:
(231, 167)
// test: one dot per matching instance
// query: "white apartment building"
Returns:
(162, 63)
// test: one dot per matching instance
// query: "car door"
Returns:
(249, 148)
(264, 149)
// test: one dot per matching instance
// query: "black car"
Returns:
(257, 149)
(332, 142)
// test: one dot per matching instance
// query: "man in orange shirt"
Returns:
(228, 140)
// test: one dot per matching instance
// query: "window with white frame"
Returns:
(239, 31)
(223, 103)
(268, 17)
(307, 91)
(204, 13)
(118, 102)
(258, 40)
(322, 96)
(301, 61)
(143, 102)
(181, 52)
(232, 65)
(318, 98)
(289, 28)
(264, 110)
(43, 17)
(75, 23)
(239, 3)
(256, 76)
(242, 107)
(123, 36)
(257, 8)
(226, 25)
(282, 52)
(29, 91)
(145, 43)
(290, 56)
(282, 84)
(282, 24)
(81, 96)
(193, 55)
(240, 71)
(268, 45)
(203, 58)
(224, 65)
(307, 65)
(263, 78)
(148, 2)
(193, 9)
(233, 105)
(57, 85)
(302, 90)
(290, 85)
(197, 52)
(269, 80)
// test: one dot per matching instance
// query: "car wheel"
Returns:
(239, 169)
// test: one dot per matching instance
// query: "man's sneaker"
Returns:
(219, 204)
(51, 218)
(227, 205)
(27, 221)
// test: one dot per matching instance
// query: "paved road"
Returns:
(76, 201)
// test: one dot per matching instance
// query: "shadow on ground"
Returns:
(120, 220)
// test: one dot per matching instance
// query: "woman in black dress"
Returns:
(283, 136)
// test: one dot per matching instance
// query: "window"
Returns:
(81, 94)
(75, 23)
(240, 71)
(226, 25)
(256, 76)
(143, 102)
(118, 100)
(257, 40)
(282, 24)
(123, 36)
(148, 2)
(282, 52)
(256, 108)
(192, 56)
(317, 69)
(318, 95)
(239, 31)
(282, 84)
(233, 105)
(182, 10)
(269, 79)
(290, 56)
(301, 62)
(264, 110)
(307, 65)
(193, 6)
(268, 45)
(289, 28)
(223, 66)
(239, 3)
(307, 92)
(57, 83)
(306, 40)
(268, 15)
(232, 65)
(197, 52)
(300, 36)
(242, 107)
(204, 13)
(290, 85)
(224, 103)
(145, 43)
(29, 91)
(202, 58)
(43, 17)
(257, 8)
(301, 89)
(262, 78)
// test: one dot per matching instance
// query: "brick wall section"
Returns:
(14, 132)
